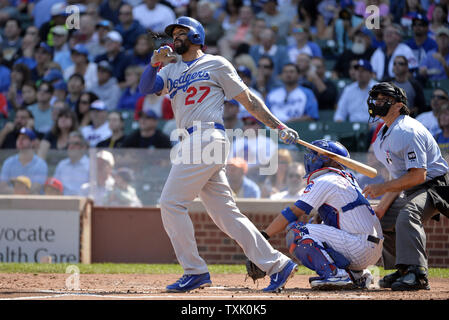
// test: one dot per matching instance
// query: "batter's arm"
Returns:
(258, 109)
(150, 82)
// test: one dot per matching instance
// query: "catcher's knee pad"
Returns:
(314, 256)
(295, 232)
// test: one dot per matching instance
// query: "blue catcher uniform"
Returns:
(350, 236)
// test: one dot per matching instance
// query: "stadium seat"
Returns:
(354, 135)
(439, 84)
(308, 130)
(428, 94)
(326, 115)
(129, 122)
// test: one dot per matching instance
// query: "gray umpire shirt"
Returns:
(408, 144)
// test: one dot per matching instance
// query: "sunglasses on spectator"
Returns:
(84, 101)
(439, 97)
(265, 66)
(75, 143)
(399, 63)
(125, 12)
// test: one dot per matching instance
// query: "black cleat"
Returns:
(389, 279)
(415, 278)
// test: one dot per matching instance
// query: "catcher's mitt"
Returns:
(253, 271)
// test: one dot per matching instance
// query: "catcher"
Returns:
(348, 240)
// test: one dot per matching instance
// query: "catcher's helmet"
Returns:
(196, 33)
(314, 161)
(387, 89)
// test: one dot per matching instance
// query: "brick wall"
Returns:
(216, 247)
(438, 242)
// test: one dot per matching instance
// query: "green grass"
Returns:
(111, 268)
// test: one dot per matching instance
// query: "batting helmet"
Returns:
(196, 33)
(387, 89)
(314, 161)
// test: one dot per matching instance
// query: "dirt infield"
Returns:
(45, 286)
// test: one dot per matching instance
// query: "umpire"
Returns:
(414, 194)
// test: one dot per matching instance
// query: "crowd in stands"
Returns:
(69, 82)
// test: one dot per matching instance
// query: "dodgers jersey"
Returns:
(330, 190)
(198, 88)
(408, 144)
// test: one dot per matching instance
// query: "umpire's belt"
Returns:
(216, 126)
(373, 239)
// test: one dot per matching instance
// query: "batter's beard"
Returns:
(183, 48)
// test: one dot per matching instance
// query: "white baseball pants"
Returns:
(208, 181)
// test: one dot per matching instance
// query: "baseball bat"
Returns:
(348, 162)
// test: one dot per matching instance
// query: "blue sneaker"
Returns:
(190, 282)
(340, 281)
(279, 279)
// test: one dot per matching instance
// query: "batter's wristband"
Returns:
(265, 235)
(289, 215)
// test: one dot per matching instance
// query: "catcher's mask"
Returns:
(380, 108)
(314, 161)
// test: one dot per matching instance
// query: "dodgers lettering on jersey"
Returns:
(198, 90)
(329, 192)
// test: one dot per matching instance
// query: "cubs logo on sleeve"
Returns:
(308, 187)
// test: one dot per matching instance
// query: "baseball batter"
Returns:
(348, 240)
(198, 85)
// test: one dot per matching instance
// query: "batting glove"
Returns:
(162, 55)
(287, 135)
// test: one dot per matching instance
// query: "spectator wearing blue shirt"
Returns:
(442, 137)
(268, 46)
(265, 79)
(25, 163)
(142, 51)
(242, 186)
(109, 10)
(43, 56)
(116, 57)
(302, 44)
(5, 75)
(61, 47)
(421, 43)
(292, 102)
(131, 94)
(352, 105)
(436, 64)
(11, 39)
(129, 28)
(42, 111)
